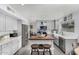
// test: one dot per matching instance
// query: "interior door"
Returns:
(24, 35)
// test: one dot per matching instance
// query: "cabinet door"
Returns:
(15, 46)
(2, 23)
(62, 43)
(7, 49)
(11, 23)
(4, 49)
(19, 42)
(56, 41)
(0, 50)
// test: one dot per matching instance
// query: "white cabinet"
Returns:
(2, 22)
(15, 46)
(56, 41)
(9, 48)
(0, 49)
(6, 49)
(7, 23)
(11, 23)
(65, 44)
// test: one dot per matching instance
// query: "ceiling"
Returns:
(34, 12)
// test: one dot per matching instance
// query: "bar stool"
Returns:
(41, 48)
(34, 48)
(47, 48)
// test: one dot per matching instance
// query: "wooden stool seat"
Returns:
(41, 46)
(34, 48)
(47, 46)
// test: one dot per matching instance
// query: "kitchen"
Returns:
(38, 28)
(63, 36)
(10, 31)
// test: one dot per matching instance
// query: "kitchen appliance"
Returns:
(43, 27)
(24, 35)
(13, 34)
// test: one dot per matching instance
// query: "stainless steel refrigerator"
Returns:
(24, 35)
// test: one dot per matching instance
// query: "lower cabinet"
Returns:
(5, 49)
(0, 50)
(11, 47)
(56, 41)
(62, 44)
(65, 44)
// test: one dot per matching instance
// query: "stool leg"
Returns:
(38, 51)
(50, 52)
(44, 52)
(31, 51)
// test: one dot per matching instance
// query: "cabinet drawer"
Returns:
(4, 45)
(6, 53)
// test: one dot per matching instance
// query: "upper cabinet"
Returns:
(7, 23)
(11, 24)
(68, 23)
(2, 23)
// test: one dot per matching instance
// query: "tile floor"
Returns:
(26, 51)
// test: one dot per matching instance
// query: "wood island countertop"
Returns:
(48, 37)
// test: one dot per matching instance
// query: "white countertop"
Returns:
(67, 36)
(6, 40)
(4, 33)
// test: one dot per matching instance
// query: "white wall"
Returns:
(37, 24)
(76, 21)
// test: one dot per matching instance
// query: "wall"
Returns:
(76, 21)
(37, 24)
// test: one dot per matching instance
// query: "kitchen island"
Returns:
(48, 37)
(42, 40)
(65, 41)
